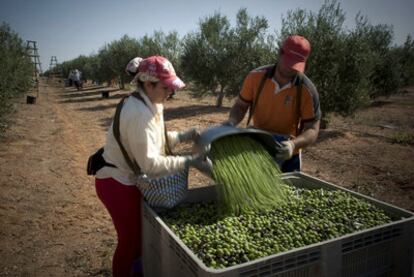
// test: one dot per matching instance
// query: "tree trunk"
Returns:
(122, 83)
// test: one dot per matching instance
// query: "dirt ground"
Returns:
(52, 223)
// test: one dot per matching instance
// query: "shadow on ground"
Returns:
(380, 103)
(194, 110)
(84, 93)
(91, 99)
(329, 134)
(99, 107)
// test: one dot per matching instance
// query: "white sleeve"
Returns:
(173, 138)
(145, 141)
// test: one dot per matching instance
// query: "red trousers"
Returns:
(124, 205)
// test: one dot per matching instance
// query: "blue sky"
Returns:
(66, 29)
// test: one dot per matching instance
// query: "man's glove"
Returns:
(200, 162)
(191, 134)
(286, 151)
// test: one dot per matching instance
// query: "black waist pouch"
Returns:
(96, 162)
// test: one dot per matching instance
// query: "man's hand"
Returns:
(191, 134)
(286, 151)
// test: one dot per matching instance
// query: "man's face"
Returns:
(284, 71)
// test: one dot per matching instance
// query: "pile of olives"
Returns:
(309, 216)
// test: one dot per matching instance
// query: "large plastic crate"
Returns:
(384, 251)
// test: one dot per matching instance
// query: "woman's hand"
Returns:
(200, 162)
(191, 134)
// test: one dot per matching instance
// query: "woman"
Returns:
(142, 135)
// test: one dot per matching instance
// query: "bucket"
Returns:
(31, 99)
(211, 134)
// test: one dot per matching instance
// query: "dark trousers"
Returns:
(293, 164)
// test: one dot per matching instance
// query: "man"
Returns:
(283, 101)
(77, 78)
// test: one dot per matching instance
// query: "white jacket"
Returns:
(142, 135)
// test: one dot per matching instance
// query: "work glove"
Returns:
(286, 151)
(191, 134)
(200, 162)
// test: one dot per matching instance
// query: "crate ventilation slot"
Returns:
(370, 238)
(282, 264)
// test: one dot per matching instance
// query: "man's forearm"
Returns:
(308, 136)
(237, 112)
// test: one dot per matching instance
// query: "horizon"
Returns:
(70, 29)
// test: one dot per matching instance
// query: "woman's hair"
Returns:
(140, 84)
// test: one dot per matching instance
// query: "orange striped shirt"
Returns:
(275, 110)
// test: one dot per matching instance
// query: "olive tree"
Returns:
(217, 57)
(249, 48)
(386, 72)
(405, 56)
(348, 67)
(116, 55)
(168, 45)
(16, 70)
(204, 60)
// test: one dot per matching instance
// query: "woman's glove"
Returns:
(200, 162)
(191, 134)
(286, 151)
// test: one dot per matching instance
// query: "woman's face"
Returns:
(158, 93)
